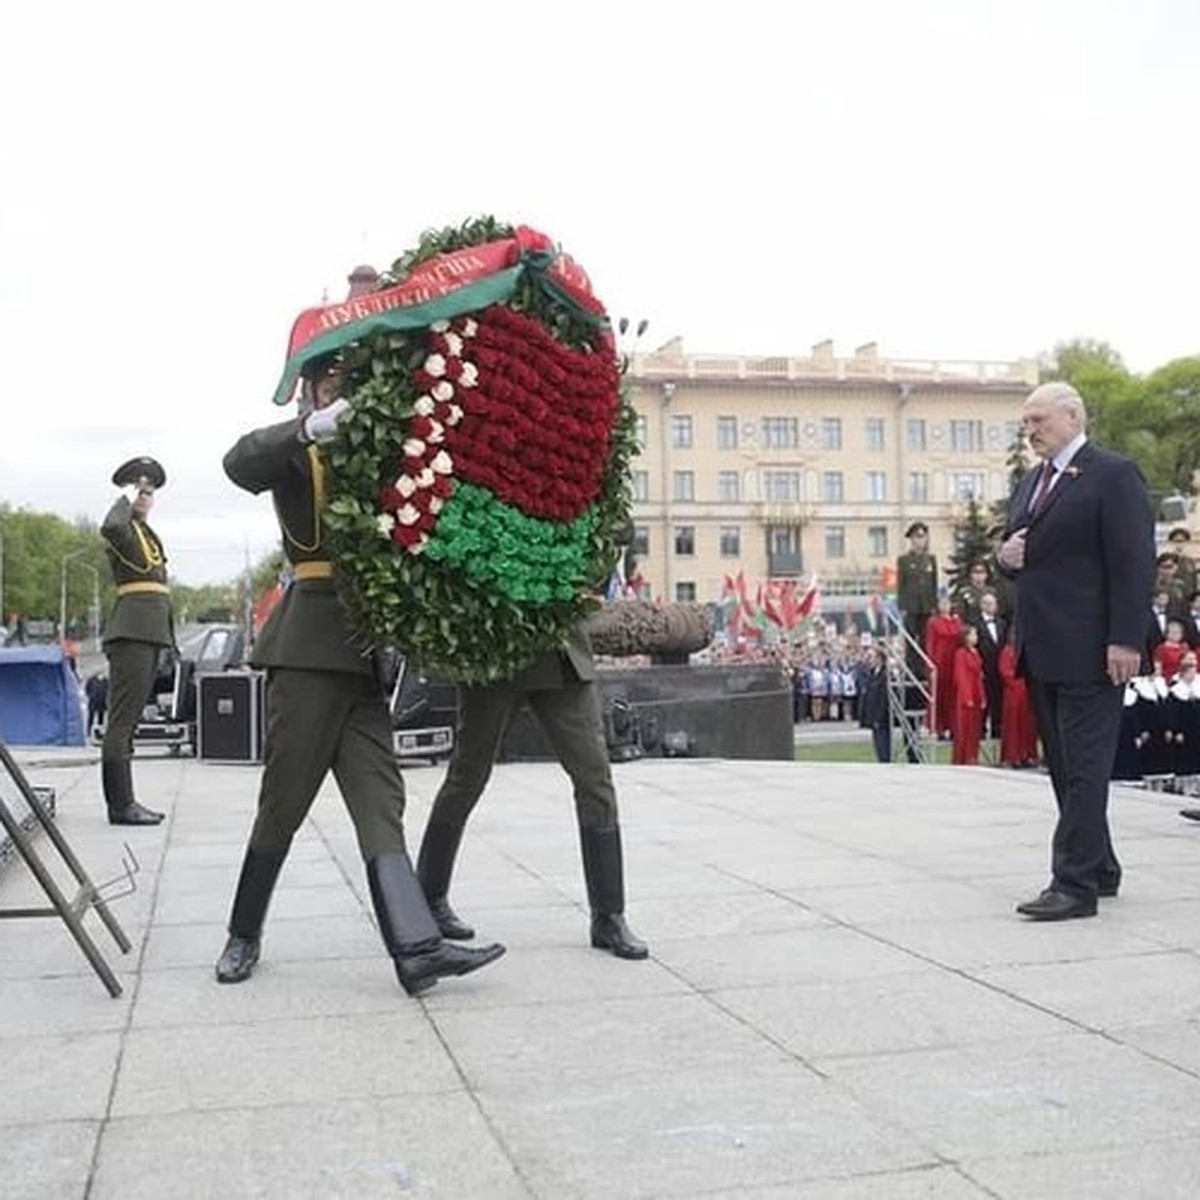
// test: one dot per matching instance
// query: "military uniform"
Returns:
(560, 687)
(916, 591)
(138, 630)
(325, 711)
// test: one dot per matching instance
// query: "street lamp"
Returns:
(94, 616)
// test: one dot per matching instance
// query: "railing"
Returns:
(906, 687)
(654, 367)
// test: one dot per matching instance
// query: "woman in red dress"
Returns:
(970, 700)
(1018, 727)
(943, 635)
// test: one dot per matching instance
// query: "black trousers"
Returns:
(1078, 724)
(132, 667)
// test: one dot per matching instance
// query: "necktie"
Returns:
(1043, 487)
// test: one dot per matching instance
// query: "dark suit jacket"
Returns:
(1089, 567)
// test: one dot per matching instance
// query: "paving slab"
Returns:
(840, 1003)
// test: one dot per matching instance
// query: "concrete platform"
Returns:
(840, 1002)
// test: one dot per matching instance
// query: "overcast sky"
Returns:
(948, 179)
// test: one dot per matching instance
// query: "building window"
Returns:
(875, 434)
(681, 432)
(641, 541)
(967, 485)
(966, 437)
(915, 433)
(783, 540)
(781, 487)
(831, 433)
(727, 433)
(877, 541)
(685, 590)
(835, 541)
(780, 433)
(641, 486)
(832, 487)
(640, 431)
(918, 487)
(728, 490)
(1012, 434)
(731, 541)
(684, 485)
(685, 540)
(876, 487)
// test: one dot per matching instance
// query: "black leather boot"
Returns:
(116, 777)
(604, 871)
(409, 930)
(435, 865)
(255, 885)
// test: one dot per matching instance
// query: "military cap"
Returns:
(319, 367)
(1179, 534)
(1167, 556)
(137, 469)
(916, 528)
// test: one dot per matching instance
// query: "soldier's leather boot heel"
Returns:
(238, 959)
(610, 932)
(419, 972)
(450, 924)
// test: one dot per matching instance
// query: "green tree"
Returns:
(970, 544)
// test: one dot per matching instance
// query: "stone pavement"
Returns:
(840, 1002)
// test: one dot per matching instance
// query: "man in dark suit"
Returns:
(560, 686)
(992, 630)
(1079, 541)
(139, 629)
(325, 712)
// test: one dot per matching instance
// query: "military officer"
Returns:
(560, 687)
(968, 598)
(917, 582)
(1177, 540)
(325, 711)
(138, 630)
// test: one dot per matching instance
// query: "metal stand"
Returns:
(89, 895)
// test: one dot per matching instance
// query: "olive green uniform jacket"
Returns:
(325, 707)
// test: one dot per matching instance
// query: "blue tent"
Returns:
(39, 698)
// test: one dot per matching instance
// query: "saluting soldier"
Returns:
(325, 712)
(138, 630)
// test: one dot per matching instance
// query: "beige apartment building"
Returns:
(794, 467)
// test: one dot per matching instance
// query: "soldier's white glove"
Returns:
(131, 491)
(322, 423)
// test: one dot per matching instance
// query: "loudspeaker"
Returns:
(229, 720)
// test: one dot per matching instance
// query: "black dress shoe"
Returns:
(418, 972)
(1108, 888)
(134, 814)
(1053, 905)
(1192, 814)
(237, 960)
(448, 921)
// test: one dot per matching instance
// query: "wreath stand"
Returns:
(89, 896)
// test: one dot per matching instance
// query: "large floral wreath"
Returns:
(479, 483)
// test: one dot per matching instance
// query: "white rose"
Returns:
(405, 485)
(470, 375)
(453, 415)
(469, 328)
(435, 504)
(440, 325)
(408, 515)
(437, 433)
(425, 478)
(385, 523)
(435, 365)
(413, 447)
(442, 463)
(419, 545)
(424, 405)
(442, 390)
(454, 344)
